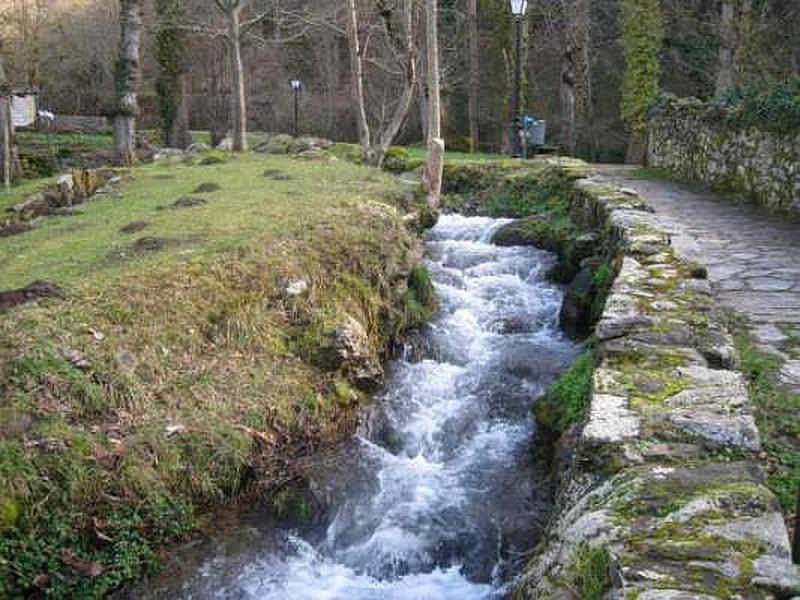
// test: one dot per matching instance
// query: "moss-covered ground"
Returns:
(776, 411)
(179, 373)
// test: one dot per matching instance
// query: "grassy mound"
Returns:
(172, 379)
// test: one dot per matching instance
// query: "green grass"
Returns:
(420, 152)
(83, 140)
(589, 574)
(198, 374)
(19, 191)
(776, 411)
(248, 205)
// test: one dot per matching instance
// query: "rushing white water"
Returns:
(439, 496)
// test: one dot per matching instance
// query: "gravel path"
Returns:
(753, 258)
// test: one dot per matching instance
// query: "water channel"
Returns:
(440, 495)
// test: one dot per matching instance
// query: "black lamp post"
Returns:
(519, 9)
(296, 84)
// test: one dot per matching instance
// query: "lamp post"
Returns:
(296, 84)
(519, 9)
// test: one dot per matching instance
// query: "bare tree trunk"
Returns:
(474, 75)
(433, 171)
(5, 126)
(357, 71)
(232, 10)
(170, 42)
(127, 80)
(727, 47)
(373, 147)
(392, 128)
(567, 96)
(179, 135)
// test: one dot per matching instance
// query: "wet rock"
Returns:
(349, 348)
(576, 311)
(585, 246)
(34, 291)
(189, 202)
(134, 227)
(530, 231)
(207, 188)
(779, 576)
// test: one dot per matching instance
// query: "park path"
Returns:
(753, 258)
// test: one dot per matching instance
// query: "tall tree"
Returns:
(474, 75)
(170, 42)
(232, 10)
(375, 143)
(642, 38)
(435, 164)
(127, 82)
(5, 127)
(727, 46)
(575, 84)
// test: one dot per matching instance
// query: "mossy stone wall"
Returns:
(763, 165)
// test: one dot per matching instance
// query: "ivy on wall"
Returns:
(170, 44)
(642, 34)
(776, 109)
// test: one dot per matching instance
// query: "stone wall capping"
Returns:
(663, 472)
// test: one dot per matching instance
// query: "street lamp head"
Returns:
(518, 7)
(295, 83)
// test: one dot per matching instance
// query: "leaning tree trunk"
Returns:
(239, 112)
(474, 75)
(390, 131)
(433, 170)
(127, 80)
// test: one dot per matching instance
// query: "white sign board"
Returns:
(23, 110)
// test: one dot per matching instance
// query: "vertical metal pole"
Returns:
(517, 89)
(296, 92)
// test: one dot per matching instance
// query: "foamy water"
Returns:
(450, 507)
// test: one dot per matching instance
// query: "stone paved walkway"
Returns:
(753, 258)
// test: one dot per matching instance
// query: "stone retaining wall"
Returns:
(662, 478)
(762, 165)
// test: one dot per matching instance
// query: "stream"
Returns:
(440, 495)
